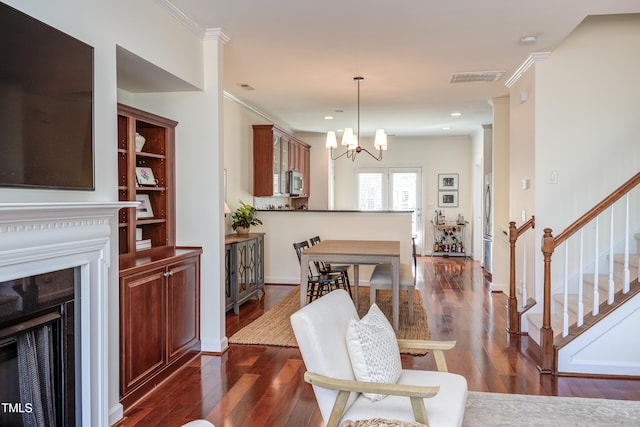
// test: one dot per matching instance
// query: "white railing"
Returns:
(580, 238)
(617, 241)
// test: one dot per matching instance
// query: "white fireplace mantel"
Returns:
(38, 238)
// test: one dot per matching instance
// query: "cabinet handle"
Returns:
(168, 274)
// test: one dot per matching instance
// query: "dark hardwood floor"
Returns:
(262, 386)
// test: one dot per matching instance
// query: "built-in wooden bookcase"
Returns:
(159, 284)
(158, 155)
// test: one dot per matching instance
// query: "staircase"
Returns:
(573, 299)
(587, 319)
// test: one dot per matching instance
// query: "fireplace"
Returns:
(37, 350)
(54, 270)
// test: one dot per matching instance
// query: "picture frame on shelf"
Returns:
(448, 181)
(144, 176)
(144, 209)
(447, 199)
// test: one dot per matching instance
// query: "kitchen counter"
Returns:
(281, 263)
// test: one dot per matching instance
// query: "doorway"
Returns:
(396, 189)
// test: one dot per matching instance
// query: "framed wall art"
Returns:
(447, 199)
(144, 209)
(144, 176)
(448, 181)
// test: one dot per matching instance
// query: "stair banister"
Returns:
(514, 323)
(547, 357)
(549, 243)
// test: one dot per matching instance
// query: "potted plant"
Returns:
(243, 218)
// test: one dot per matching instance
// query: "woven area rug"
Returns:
(274, 328)
(517, 410)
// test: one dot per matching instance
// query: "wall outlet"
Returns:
(553, 178)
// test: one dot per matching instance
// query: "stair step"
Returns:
(535, 324)
(587, 302)
(634, 259)
(603, 283)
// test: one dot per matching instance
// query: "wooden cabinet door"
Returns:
(228, 278)
(305, 169)
(240, 262)
(183, 307)
(255, 265)
(142, 324)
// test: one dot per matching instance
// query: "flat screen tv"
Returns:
(46, 106)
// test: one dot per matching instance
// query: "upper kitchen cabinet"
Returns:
(275, 152)
(299, 160)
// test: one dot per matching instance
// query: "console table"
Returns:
(244, 268)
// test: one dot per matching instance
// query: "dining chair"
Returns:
(382, 278)
(326, 267)
(318, 283)
(332, 354)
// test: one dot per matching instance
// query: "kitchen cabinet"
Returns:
(159, 319)
(299, 160)
(244, 278)
(274, 153)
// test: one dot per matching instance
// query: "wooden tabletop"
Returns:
(360, 247)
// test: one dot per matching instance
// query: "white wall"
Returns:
(434, 155)
(500, 177)
(522, 155)
(587, 100)
(148, 31)
(586, 119)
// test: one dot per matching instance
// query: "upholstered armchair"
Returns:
(337, 348)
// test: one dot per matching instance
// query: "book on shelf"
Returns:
(143, 244)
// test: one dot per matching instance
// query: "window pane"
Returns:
(370, 191)
(404, 191)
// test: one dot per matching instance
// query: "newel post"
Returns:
(547, 362)
(513, 325)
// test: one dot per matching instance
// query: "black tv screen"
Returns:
(46, 105)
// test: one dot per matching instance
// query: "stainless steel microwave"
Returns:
(295, 183)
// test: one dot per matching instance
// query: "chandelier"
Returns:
(351, 140)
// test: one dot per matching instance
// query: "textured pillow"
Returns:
(379, 422)
(373, 350)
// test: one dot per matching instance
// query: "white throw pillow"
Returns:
(373, 350)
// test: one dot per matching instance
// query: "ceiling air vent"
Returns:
(476, 76)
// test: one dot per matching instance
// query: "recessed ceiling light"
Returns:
(528, 39)
(456, 114)
(328, 117)
(446, 128)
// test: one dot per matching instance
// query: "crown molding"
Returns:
(185, 20)
(216, 34)
(531, 60)
(256, 111)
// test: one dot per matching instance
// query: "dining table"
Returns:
(356, 253)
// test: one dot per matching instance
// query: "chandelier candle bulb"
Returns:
(331, 139)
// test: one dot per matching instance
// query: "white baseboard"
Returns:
(214, 346)
(282, 280)
(116, 413)
(497, 287)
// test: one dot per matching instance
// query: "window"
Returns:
(395, 189)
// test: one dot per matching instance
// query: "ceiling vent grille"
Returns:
(476, 76)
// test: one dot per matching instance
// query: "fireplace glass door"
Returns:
(37, 342)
